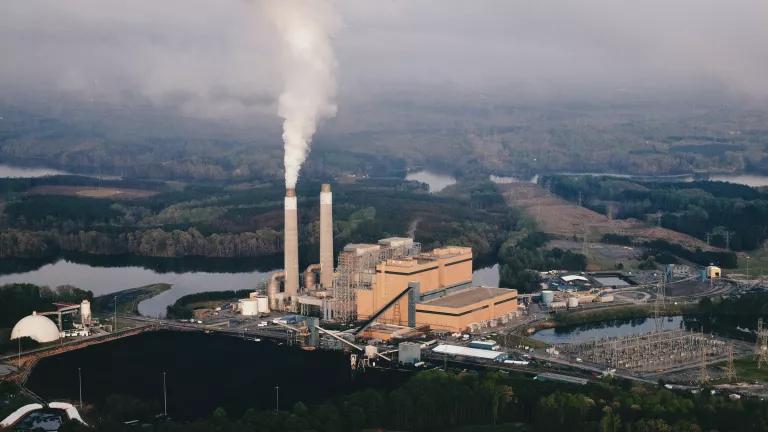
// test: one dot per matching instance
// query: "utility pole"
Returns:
(730, 371)
(709, 238)
(747, 269)
(761, 344)
(277, 399)
(115, 329)
(165, 397)
(704, 374)
(80, 383)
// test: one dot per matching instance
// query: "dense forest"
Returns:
(497, 133)
(453, 401)
(522, 258)
(238, 220)
(728, 215)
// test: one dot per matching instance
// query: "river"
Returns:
(203, 371)
(607, 329)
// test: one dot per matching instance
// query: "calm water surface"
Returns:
(105, 280)
(487, 276)
(608, 329)
(435, 181)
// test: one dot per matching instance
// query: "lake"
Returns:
(8, 171)
(748, 180)
(742, 179)
(608, 329)
(509, 180)
(486, 276)
(204, 371)
(435, 181)
(116, 277)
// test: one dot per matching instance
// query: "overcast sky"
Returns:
(217, 59)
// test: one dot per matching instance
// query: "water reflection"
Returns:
(487, 276)
(435, 181)
(608, 329)
(105, 280)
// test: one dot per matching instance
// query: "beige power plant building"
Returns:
(392, 282)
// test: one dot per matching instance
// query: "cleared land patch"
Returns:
(559, 217)
(92, 192)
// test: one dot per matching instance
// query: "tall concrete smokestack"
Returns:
(326, 236)
(291, 245)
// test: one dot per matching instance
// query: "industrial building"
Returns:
(471, 353)
(392, 283)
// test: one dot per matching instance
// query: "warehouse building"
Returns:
(471, 353)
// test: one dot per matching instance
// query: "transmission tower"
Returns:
(761, 344)
(730, 370)
(658, 305)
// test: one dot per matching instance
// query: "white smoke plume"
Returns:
(309, 65)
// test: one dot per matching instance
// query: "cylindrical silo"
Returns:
(263, 303)
(85, 312)
(547, 297)
(249, 307)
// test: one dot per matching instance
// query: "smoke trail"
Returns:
(306, 27)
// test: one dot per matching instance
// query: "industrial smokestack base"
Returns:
(291, 245)
(326, 236)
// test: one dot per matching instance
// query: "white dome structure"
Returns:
(37, 327)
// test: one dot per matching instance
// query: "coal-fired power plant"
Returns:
(326, 236)
(291, 247)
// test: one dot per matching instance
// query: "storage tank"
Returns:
(85, 312)
(371, 351)
(249, 307)
(558, 305)
(547, 297)
(263, 304)
(573, 302)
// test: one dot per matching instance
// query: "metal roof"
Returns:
(469, 352)
(468, 297)
(571, 278)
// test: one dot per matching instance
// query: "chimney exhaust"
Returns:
(326, 236)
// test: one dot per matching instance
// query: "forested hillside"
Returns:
(729, 215)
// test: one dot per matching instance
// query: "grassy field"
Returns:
(757, 263)
(746, 370)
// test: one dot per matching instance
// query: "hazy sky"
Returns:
(217, 59)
